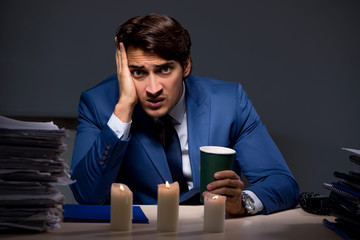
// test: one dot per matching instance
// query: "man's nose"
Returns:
(154, 86)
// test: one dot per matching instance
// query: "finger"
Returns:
(123, 56)
(226, 174)
(228, 192)
(118, 60)
(227, 182)
(116, 42)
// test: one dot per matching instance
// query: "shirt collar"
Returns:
(178, 111)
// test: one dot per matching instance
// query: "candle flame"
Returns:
(167, 185)
(215, 197)
(122, 187)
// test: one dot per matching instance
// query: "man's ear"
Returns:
(187, 67)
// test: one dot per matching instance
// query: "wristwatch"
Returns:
(248, 203)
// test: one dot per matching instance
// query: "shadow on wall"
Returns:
(312, 160)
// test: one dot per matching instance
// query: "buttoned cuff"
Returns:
(258, 204)
(122, 130)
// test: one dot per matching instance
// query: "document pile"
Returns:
(345, 200)
(30, 167)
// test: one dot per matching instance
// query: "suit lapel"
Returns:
(198, 123)
(145, 134)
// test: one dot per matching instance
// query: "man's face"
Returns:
(158, 82)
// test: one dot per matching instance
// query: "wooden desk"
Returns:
(291, 224)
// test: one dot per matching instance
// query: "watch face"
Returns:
(249, 203)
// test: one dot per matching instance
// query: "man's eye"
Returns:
(137, 73)
(166, 70)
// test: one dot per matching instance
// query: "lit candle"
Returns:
(214, 213)
(121, 207)
(168, 207)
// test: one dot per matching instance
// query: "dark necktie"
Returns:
(170, 141)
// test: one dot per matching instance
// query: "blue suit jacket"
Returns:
(218, 113)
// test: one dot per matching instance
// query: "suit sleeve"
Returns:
(259, 159)
(97, 155)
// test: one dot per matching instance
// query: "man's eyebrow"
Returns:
(135, 66)
(167, 64)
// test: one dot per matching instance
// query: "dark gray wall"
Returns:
(297, 60)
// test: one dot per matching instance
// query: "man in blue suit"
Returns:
(117, 141)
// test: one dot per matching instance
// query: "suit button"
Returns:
(106, 152)
(103, 158)
(101, 163)
(108, 147)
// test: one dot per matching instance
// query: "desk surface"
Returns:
(291, 224)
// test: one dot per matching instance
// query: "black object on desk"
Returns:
(345, 196)
(97, 213)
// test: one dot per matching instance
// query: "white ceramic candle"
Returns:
(121, 207)
(214, 213)
(168, 207)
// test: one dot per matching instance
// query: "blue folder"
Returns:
(97, 213)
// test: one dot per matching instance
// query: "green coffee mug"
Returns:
(213, 159)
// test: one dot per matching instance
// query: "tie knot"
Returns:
(164, 123)
(167, 119)
(164, 129)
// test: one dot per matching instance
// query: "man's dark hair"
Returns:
(157, 34)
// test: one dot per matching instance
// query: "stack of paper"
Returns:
(30, 167)
(345, 198)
